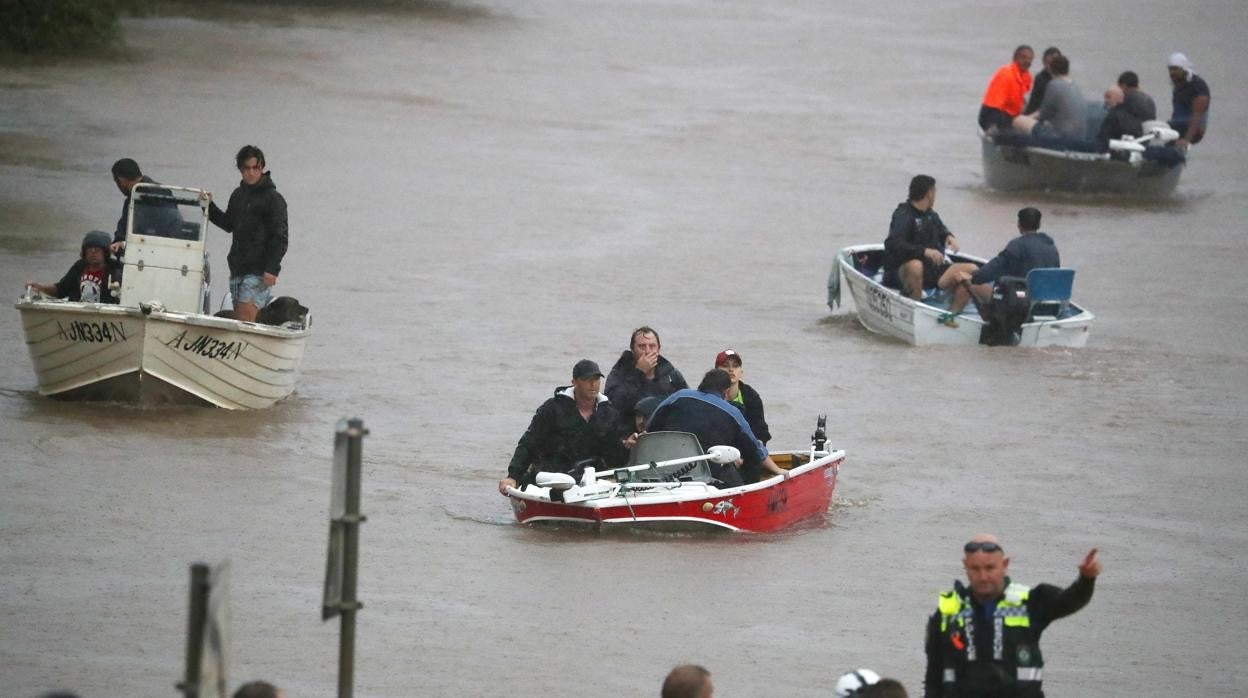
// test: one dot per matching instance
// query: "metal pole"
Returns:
(350, 559)
(195, 630)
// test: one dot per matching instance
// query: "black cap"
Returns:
(585, 368)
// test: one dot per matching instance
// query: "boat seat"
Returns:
(657, 446)
(1050, 291)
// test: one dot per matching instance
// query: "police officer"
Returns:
(985, 641)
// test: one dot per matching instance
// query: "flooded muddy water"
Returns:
(482, 195)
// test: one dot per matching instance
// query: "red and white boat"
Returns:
(669, 486)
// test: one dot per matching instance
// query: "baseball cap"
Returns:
(724, 355)
(585, 368)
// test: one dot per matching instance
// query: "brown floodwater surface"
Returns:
(480, 195)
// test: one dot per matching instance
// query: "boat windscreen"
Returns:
(167, 214)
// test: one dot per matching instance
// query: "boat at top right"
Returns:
(1143, 167)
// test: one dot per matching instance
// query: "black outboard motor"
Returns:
(1005, 313)
(819, 439)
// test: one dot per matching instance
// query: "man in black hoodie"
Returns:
(914, 252)
(641, 372)
(256, 216)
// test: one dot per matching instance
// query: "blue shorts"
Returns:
(250, 289)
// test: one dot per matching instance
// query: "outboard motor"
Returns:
(819, 440)
(1005, 313)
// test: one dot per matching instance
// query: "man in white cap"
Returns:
(1191, 101)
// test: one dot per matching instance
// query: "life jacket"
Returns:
(1015, 666)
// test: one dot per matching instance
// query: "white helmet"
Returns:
(849, 684)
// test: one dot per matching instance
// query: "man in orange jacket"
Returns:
(1006, 91)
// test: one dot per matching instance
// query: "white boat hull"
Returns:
(110, 352)
(885, 311)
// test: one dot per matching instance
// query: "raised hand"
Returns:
(1090, 567)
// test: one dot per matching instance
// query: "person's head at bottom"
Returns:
(688, 681)
(852, 683)
(258, 689)
(886, 688)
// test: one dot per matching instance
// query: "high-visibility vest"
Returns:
(1016, 657)
(1007, 88)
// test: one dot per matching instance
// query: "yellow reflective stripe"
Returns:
(1017, 594)
(949, 604)
(1017, 621)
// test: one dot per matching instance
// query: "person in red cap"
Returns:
(742, 395)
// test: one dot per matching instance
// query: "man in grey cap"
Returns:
(576, 424)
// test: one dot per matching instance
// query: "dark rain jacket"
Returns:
(626, 384)
(1043, 78)
(752, 407)
(558, 437)
(1119, 121)
(965, 659)
(910, 232)
(256, 217)
(1024, 253)
(715, 421)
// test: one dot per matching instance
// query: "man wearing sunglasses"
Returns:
(984, 640)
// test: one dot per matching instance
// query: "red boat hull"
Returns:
(770, 505)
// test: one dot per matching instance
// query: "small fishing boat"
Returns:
(1052, 320)
(159, 344)
(1140, 167)
(669, 486)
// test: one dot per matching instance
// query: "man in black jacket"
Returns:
(641, 372)
(984, 642)
(575, 424)
(1119, 119)
(914, 252)
(256, 216)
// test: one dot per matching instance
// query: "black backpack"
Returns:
(1005, 313)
